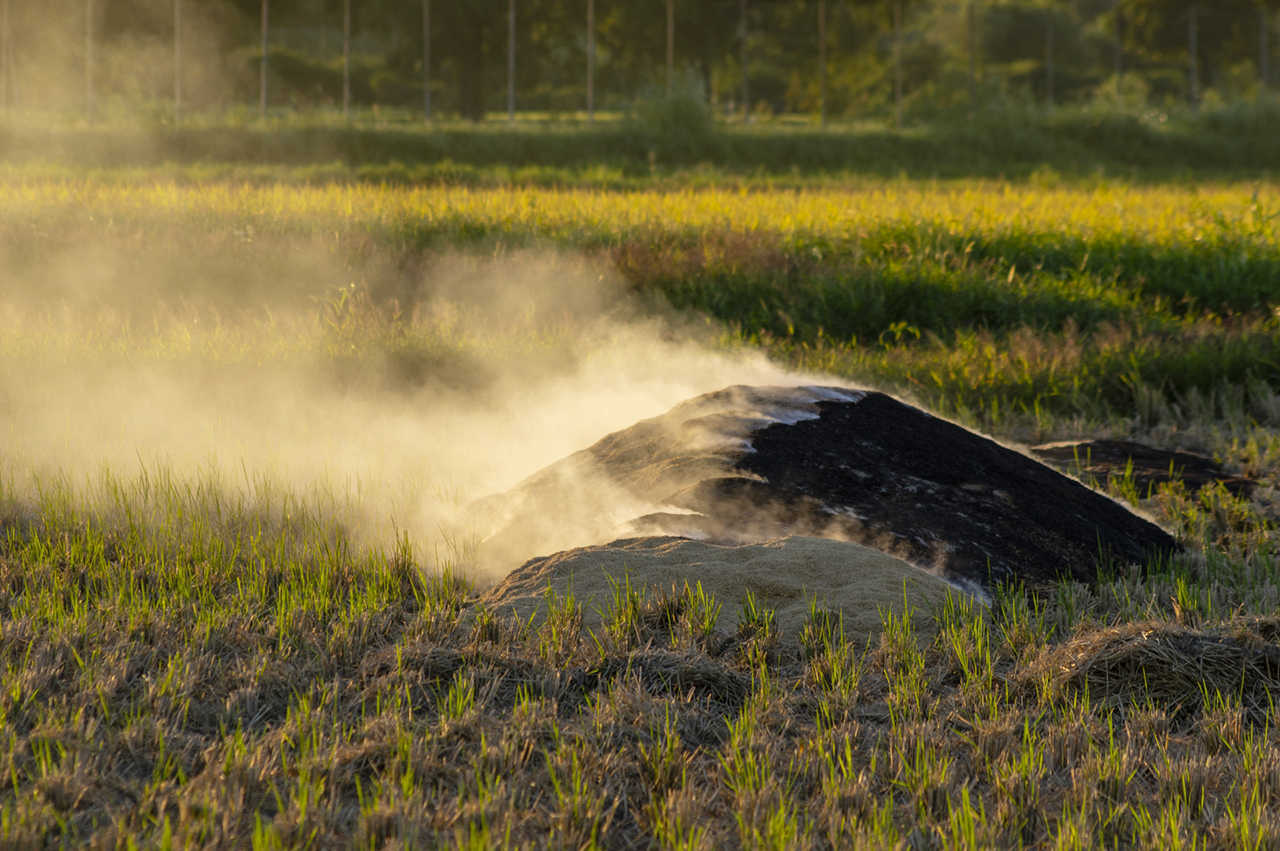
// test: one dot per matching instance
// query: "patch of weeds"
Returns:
(582, 809)
(848, 795)
(445, 594)
(965, 634)
(486, 628)
(1020, 619)
(623, 620)
(678, 824)
(701, 613)
(834, 664)
(1019, 775)
(925, 775)
(561, 630)
(757, 630)
(904, 665)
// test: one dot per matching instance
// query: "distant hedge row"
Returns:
(1232, 142)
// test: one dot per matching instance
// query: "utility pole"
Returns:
(822, 62)
(88, 61)
(1194, 57)
(426, 60)
(346, 60)
(897, 64)
(511, 62)
(973, 59)
(262, 81)
(177, 63)
(1048, 59)
(671, 47)
(746, 102)
(591, 61)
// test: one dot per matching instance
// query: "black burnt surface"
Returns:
(744, 465)
(1148, 467)
(883, 473)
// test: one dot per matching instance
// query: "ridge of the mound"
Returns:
(630, 482)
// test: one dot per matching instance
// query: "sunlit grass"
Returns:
(198, 657)
(198, 649)
(1048, 218)
(979, 296)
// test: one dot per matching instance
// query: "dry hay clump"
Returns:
(786, 576)
(1166, 664)
(681, 675)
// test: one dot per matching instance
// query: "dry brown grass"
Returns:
(139, 707)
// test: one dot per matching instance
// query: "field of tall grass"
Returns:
(209, 654)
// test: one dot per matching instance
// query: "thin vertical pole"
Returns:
(426, 60)
(1264, 59)
(897, 64)
(973, 59)
(11, 59)
(88, 61)
(746, 102)
(1119, 48)
(511, 61)
(1048, 59)
(177, 63)
(671, 47)
(591, 61)
(822, 62)
(346, 60)
(262, 81)
(1194, 57)
(6, 45)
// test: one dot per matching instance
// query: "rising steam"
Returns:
(398, 398)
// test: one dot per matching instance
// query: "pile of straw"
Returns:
(1165, 664)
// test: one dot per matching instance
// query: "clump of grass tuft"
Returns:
(903, 663)
(624, 618)
(701, 614)
(561, 630)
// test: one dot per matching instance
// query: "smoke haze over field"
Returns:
(395, 414)
(133, 64)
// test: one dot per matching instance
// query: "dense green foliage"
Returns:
(950, 63)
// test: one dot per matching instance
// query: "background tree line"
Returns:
(951, 56)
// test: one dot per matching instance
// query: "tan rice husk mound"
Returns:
(783, 575)
(1166, 664)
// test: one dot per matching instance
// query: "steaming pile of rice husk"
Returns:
(1166, 664)
(783, 575)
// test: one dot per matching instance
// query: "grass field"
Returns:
(675, 142)
(227, 621)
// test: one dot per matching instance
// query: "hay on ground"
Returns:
(1165, 664)
(783, 575)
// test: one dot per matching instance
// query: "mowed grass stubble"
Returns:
(208, 660)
